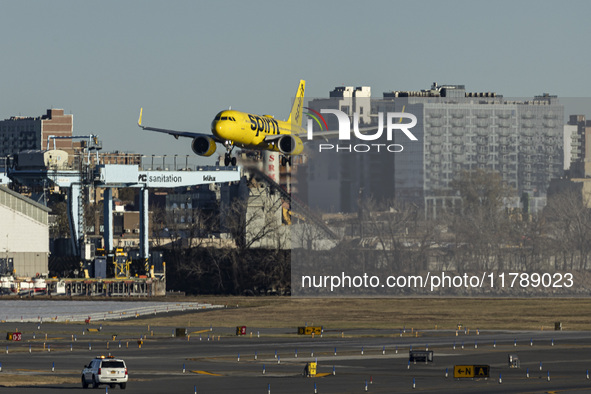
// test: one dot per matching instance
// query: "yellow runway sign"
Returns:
(309, 330)
(471, 371)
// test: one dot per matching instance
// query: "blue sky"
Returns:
(183, 61)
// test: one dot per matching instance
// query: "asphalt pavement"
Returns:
(216, 360)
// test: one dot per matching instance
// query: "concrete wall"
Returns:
(29, 264)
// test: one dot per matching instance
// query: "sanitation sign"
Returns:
(119, 175)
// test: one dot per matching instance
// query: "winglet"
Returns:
(295, 116)
(139, 121)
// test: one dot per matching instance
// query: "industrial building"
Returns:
(456, 130)
(24, 235)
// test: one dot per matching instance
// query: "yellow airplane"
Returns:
(234, 128)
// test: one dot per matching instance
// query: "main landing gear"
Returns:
(285, 160)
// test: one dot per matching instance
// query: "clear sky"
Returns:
(183, 61)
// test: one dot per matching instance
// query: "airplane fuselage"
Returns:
(248, 130)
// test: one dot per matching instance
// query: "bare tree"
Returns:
(482, 226)
(393, 227)
(253, 222)
(570, 221)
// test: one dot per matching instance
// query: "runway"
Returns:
(215, 360)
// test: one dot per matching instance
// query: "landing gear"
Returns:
(229, 160)
(285, 160)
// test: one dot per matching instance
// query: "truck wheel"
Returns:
(95, 383)
(84, 384)
(122, 385)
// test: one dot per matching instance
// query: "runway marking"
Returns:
(207, 373)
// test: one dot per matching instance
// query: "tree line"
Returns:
(479, 234)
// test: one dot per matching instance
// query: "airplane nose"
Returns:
(217, 128)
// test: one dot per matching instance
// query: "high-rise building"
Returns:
(334, 179)
(577, 134)
(580, 138)
(456, 131)
(572, 149)
(19, 133)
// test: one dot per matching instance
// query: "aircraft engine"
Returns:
(203, 146)
(290, 145)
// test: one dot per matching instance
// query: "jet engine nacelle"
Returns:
(290, 145)
(203, 146)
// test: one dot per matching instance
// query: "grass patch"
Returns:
(18, 380)
(386, 313)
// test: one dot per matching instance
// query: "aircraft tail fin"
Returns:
(295, 116)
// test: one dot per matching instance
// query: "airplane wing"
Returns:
(175, 133)
(274, 138)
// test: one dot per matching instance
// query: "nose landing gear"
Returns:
(229, 160)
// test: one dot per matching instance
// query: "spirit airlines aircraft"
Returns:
(235, 128)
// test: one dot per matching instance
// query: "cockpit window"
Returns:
(232, 118)
(218, 116)
(224, 118)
